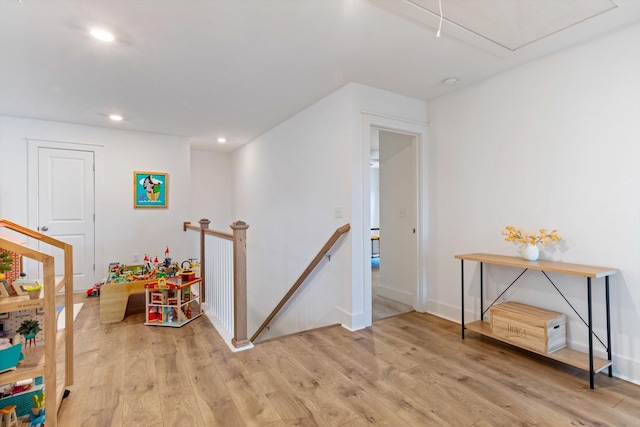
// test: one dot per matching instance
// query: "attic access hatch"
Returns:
(513, 24)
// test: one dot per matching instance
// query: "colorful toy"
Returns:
(187, 274)
(126, 280)
(95, 290)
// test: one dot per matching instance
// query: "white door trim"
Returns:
(370, 123)
(33, 145)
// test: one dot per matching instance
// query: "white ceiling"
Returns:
(515, 24)
(237, 68)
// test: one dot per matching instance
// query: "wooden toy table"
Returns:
(114, 298)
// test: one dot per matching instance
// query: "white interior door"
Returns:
(398, 219)
(65, 207)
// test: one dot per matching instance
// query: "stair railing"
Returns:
(223, 269)
(325, 249)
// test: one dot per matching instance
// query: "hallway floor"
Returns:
(384, 307)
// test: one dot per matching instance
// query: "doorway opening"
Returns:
(394, 203)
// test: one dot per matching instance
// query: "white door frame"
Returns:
(370, 123)
(33, 145)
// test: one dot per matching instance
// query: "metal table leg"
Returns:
(590, 325)
(481, 293)
(606, 281)
(462, 293)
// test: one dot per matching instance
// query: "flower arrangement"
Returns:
(543, 237)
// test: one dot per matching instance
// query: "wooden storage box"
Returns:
(532, 328)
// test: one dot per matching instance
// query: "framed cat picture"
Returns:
(150, 189)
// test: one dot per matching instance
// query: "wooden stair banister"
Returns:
(238, 239)
(332, 240)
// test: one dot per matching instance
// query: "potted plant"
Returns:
(38, 407)
(34, 291)
(29, 329)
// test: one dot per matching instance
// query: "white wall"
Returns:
(121, 230)
(211, 189)
(397, 217)
(288, 183)
(553, 143)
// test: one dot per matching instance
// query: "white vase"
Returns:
(530, 252)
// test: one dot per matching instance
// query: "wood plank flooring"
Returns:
(408, 370)
(384, 307)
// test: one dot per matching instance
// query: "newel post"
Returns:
(239, 284)
(204, 225)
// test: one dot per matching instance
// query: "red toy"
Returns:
(95, 291)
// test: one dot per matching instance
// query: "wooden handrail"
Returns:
(186, 225)
(33, 233)
(332, 240)
(220, 234)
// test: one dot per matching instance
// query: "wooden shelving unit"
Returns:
(40, 361)
(586, 361)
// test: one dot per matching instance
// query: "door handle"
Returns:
(44, 228)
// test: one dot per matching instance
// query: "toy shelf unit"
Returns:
(42, 360)
(172, 302)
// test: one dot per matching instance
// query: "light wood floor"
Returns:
(409, 370)
(382, 307)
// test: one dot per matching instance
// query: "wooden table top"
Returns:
(546, 265)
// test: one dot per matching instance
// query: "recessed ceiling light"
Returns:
(116, 117)
(102, 35)
(222, 140)
(451, 81)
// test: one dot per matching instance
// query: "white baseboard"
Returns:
(626, 369)
(352, 322)
(395, 294)
(226, 337)
(445, 311)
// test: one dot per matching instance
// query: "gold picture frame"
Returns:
(150, 189)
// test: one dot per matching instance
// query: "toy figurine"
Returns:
(167, 259)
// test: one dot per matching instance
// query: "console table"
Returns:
(575, 358)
